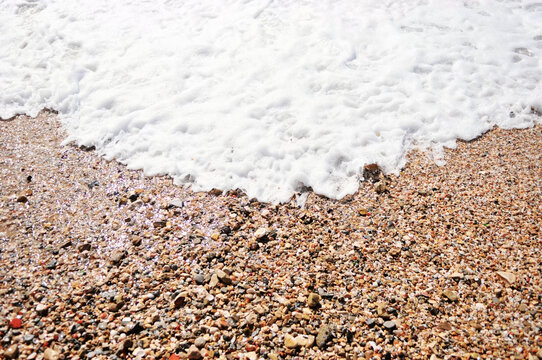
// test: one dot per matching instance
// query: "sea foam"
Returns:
(271, 96)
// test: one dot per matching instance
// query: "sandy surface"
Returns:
(97, 261)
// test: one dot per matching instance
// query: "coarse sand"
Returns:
(101, 262)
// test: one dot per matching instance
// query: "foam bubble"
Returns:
(271, 97)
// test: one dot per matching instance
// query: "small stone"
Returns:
(226, 230)
(381, 187)
(507, 276)
(84, 247)
(251, 319)
(28, 338)
(51, 265)
(199, 279)
(134, 328)
(370, 322)
(50, 354)
(251, 356)
(136, 241)
(116, 307)
(223, 277)
(215, 192)
(261, 235)
(214, 281)
(324, 335)
(222, 324)
(15, 323)
(260, 309)
(175, 203)
(304, 341)
(66, 244)
(87, 148)
(289, 341)
(450, 295)
(523, 308)
(180, 300)
(12, 352)
(22, 199)
(313, 301)
(253, 245)
(390, 325)
(124, 346)
(159, 224)
(42, 309)
(457, 275)
(200, 342)
(445, 326)
(117, 256)
(371, 172)
(194, 353)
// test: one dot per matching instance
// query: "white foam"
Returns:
(271, 96)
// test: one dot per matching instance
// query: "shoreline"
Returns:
(444, 263)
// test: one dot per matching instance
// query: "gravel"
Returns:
(438, 261)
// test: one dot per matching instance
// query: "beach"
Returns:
(101, 262)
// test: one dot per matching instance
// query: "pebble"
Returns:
(22, 199)
(66, 244)
(176, 203)
(15, 323)
(305, 340)
(12, 352)
(390, 325)
(199, 279)
(289, 341)
(223, 277)
(200, 342)
(214, 281)
(28, 338)
(124, 346)
(117, 256)
(261, 234)
(180, 300)
(450, 295)
(136, 241)
(457, 275)
(50, 354)
(251, 356)
(381, 187)
(324, 335)
(509, 277)
(313, 301)
(84, 247)
(42, 309)
(372, 172)
(194, 353)
(116, 306)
